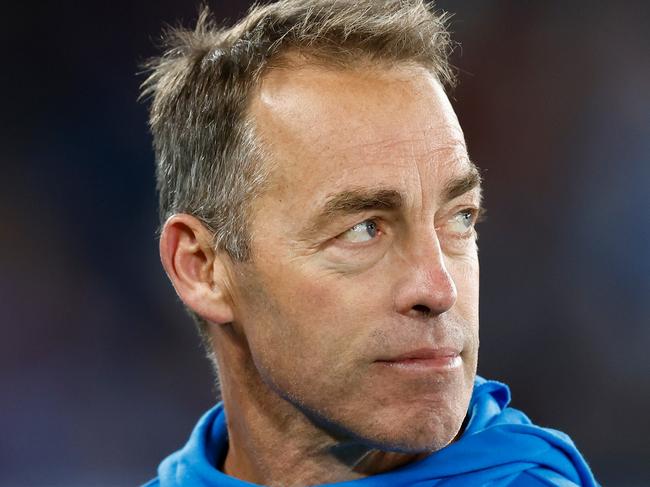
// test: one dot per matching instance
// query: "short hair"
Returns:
(208, 161)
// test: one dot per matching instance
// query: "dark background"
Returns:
(102, 374)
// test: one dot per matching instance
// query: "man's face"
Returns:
(360, 306)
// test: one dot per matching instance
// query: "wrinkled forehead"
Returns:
(329, 127)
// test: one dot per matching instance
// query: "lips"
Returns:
(432, 358)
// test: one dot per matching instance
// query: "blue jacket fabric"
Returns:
(499, 447)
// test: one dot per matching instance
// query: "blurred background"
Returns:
(102, 373)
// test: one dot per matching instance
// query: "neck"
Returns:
(291, 453)
(273, 443)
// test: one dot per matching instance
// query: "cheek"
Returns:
(328, 315)
(466, 277)
(465, 273)
(296, 318)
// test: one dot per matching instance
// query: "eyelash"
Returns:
(378, 226)
(477, 215)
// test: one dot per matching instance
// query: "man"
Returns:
(319, 211)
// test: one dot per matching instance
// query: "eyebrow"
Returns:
(358, 200)
(464, 184)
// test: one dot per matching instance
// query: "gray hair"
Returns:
(208, 161)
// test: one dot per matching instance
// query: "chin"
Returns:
(417, 416)
(416, 432)
(424, 425)
(428, 438)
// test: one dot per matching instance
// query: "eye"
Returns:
(361, 232)
(463, 221)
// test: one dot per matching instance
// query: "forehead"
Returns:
(325, 129)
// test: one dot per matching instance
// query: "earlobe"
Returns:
(196, 271)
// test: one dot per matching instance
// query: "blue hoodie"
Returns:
(499, 447)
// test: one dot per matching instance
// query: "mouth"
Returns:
(426, 359)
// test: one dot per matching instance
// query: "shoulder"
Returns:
(527, 454)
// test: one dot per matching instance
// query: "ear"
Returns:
(197, 272)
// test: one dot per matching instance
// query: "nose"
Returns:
(427, 287)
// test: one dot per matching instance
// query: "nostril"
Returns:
(420, 308)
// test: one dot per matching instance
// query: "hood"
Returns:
(500, 446)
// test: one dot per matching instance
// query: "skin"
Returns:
(302, 331)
